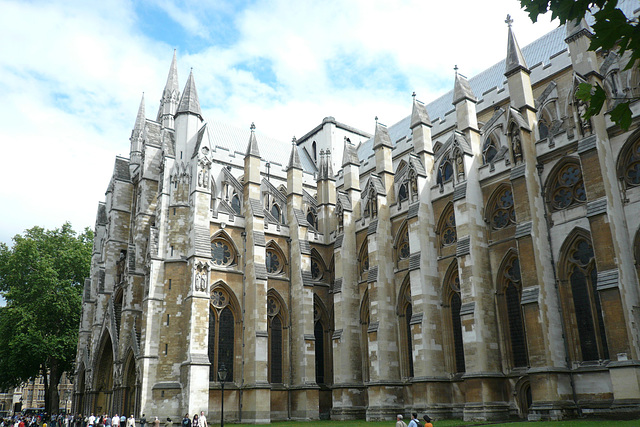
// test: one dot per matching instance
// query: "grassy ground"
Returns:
(453, 423)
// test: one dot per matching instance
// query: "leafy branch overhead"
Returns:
(612, 30)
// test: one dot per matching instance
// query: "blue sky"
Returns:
(72, 74)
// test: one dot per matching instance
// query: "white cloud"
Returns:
(72, 72)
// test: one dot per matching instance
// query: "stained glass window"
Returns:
(276, 350)
(514, 314)
(212, 345)
(273, 263)
(235, 204)
(456, 323)
(503, 212)
(448, 234)
(316, 270)
(489, 150)
(630, 158)
(407, 314)
(221, 253)
(445, 171)
(318, 332)
(567, 188)
(226, 341)
(403, 246)
(403, 192)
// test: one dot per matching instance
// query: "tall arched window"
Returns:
(402, 244)
(445, 170)
(629, 163)
(566, 187)
(581, 298)
(452, 287)
(511, 311)
(312, 218)
(221, 333)
(490, 148)
(364, 323)
(447, 227)
(363, 259)
(235, 204)
(274, 312)
(501, 211)
(406, 340)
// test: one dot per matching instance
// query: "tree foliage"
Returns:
(41, 279)
(612, 30)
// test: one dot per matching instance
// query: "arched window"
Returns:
(402, 244)
(223, 253)
(406, 341)
(235, 204)
(490, 148)
(274, 312)
(629, 163)
(501, 212)
(566, 188)
(582, 300)
(543, 128)
(445, 171)
(364, 323)
(314, 151)
(275, 211)
(452, 287)
(322, 349)
(447, 228)
(403, 192)
(511, 311)
(317, 266)
(363, 259)
(221, 333)
(275, 261)
(312, 218)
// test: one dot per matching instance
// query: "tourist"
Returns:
(143, 420)
(427, 421)
(415, 422)
(131, 421)
(186, 421)
(399, 422)
(156, 422)
(194, 423)
(169, 423)
(202, 421)
(115, 421)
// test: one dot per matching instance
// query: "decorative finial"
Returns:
(376, 119)
(509, 20)
(252, 127)
(414, 94)
(293, 140)
(455, 68)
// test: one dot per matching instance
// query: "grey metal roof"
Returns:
(189, 102)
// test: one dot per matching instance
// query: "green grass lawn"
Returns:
(452, 423)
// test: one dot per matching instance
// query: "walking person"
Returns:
(399, 422)
(415, 422)
(186, 421)
(202, 421)
(143, 420)
(131, 421)
(156, 422)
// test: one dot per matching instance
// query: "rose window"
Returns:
(219, 298)
(568, 188)
(273, 263)
(221, 253)
(503, 212)
(449, 235)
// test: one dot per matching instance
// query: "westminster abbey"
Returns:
(478, 259)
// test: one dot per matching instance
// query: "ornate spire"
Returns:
(381, 137)
(515, 60)
(252, 148)
(349, 155)
(294, 158)
(329, 166)
(419, 115)
(189, 102)
(171, 91)
(140, 118)
(461, 89)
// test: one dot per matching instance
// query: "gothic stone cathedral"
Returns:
(477, 259)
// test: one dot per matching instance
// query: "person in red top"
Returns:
(427, 421)
(21, 423)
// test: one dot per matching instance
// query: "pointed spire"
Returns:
(172, 78)
(515, 60)
(419, 115)
(140, 118)
(294, 158)
(189, 102)
(252, 148)
(381, 137)
(329, 166)
(322, 167)
(461, 89)
(577, 28)
(349, 155)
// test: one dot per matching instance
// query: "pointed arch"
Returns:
(452, 303)
(364, 323)
(405, 312)
(565, 185)
(447, 226)
(580, 299)
(500, 210)
(491, 146)
(401, 243)
(509, 293)
(103, 377)
(321, 322)
(224, 330)
(628, 163)
(318, 267)
(363, 259)
(224, 252)
(275, 261)
(130, 383)
(277, 322)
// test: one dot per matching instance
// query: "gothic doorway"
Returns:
(104, 378)
(79, 405)
(130, 387)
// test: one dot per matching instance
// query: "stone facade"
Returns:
(478, 259)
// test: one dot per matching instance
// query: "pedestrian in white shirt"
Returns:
(202, 420)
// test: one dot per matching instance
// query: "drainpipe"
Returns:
(567, 358)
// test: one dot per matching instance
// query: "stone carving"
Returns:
(201, 277)
(516, 147)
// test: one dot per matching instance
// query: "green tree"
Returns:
(41, 279)
(612, 30)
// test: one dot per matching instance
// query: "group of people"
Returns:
(415, 421)
(106, 421)
(197, 421)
